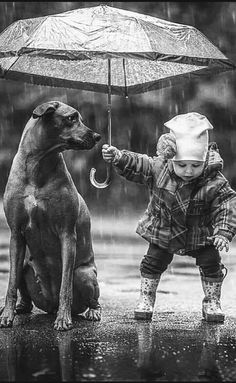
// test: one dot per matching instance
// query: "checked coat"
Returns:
(181, 215)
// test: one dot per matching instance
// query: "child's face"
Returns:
(188, 169)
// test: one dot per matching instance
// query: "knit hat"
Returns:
(191, 134)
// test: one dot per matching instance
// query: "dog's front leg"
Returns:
(68, 252)
(17, 254)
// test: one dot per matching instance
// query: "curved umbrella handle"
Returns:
(104, 184)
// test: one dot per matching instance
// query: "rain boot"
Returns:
(147, 297)
(211, 308)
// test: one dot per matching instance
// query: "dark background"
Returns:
(137, 122)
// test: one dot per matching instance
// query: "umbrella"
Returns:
(106, 49)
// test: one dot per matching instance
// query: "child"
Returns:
(192, 208)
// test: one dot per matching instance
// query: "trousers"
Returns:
(156, 261)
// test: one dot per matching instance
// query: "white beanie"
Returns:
(191, 134)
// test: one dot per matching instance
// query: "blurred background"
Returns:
(137, 122)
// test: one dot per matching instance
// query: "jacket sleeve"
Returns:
(223, 210)
(135, 167)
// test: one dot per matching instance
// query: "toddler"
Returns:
(191, 211)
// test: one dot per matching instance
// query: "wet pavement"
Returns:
(176, 346)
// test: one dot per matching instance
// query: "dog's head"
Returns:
(64, 126)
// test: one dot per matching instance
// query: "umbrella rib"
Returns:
(141, 23)
(30, 38)
(8, 69)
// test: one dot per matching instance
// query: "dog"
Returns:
(51, 253)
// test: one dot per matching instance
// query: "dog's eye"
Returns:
(72, 118)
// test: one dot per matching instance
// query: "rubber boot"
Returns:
(211, 307)
(147, 297)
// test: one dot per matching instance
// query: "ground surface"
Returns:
(176, 346)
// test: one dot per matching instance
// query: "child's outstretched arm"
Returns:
(138, 167)
(133, 166)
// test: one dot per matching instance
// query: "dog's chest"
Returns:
(30, 204)
(36, 210)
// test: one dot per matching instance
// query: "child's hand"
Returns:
(219, 242)
(110, 153)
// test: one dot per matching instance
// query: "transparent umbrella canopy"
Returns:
(109, 50)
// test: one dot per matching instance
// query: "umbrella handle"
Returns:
(104, 184)
(108, 166)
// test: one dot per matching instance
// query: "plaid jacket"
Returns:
(180, 216)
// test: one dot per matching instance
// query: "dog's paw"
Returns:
(6, 318)
(63, 323)
(93, 314)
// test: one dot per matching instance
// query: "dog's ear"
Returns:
(46, 108)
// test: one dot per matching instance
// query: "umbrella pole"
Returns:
(109, 101)
(108, 166)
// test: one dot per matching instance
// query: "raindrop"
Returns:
(233, 17)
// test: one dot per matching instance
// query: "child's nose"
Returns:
(189, 171)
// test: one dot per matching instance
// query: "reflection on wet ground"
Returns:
(119, 351)
(176, 346)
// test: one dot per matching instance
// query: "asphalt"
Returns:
(177, 345)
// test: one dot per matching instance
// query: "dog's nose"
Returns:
(96, 137)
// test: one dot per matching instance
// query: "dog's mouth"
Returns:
(80, 144)
(83, 144)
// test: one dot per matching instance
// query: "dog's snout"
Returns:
(96, 137)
